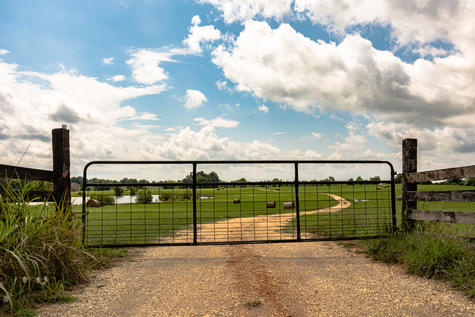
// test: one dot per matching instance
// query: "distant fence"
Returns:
(410, 194)
(59, 176)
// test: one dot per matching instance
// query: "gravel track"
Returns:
(284, 279)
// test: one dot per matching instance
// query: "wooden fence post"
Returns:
(409, 165)
(61, 168)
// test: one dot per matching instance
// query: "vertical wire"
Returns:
(214, 216)
(240, 208)
(377, 210)
(159, 202)
(341, 211)
(102, 219)
(318, 207)
(330, 213)
(172, 196)
(353, 207)
(267, 219)
(145, 214)
(227, 214)
(116, 215)
(366, 209)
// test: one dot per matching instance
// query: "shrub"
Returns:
(107, 199)
(470, 181)
(118, 191)
(132, 190)
(143, 197)
(164, 196)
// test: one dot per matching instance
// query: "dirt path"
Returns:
(286, 279)
(263, 227)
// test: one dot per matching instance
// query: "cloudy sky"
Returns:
(238, 79)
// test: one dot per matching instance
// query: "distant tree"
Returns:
(132, 190)
(107, 199)
(375, 179)
(470, 181)
(118, 191)
(76, 179)
(164, 196)
(329, 179)
(359, 179)
(41, 186)
(213, 177)
(398, 179)
(455, 181)
(351, 180)
(202, 177)
(143, 197)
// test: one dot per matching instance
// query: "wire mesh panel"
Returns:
(345, 210)
(235, 212)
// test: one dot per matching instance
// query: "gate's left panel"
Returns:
(133, 212)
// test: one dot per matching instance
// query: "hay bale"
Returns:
(270, 204)
(94, 203)
(237, 201)
(289, 205)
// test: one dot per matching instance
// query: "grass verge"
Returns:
(41, 253)
(424, 254)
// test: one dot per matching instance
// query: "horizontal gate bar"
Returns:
(233, 242)
(237, 183)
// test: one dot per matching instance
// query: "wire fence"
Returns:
(245, 212)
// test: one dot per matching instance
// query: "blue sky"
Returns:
(226, 79)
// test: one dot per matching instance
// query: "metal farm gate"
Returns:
(191, 213)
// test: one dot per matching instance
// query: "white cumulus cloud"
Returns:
(145, 65)
(242, 10)
(108, 60)
(217, 122)
(263, 108)
(284, 66)
(194, 99)
(200, 35)
(317, 136)
(221, 84)
(4, 51)
(116, 78)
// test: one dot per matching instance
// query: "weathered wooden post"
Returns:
(409, 165)
(61, 168)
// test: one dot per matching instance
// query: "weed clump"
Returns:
(428, 255)
(40, 251)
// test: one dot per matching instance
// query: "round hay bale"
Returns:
(270, 204)
(289, 205)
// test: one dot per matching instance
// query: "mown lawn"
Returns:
(145, 223)
(368, 215)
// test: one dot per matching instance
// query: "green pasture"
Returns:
(367, 208)
(368, 215)
(142, 223)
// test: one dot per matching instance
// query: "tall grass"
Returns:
(40, 251)
(428, 255)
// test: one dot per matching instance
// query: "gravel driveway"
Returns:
(284, 279)
(287, 279)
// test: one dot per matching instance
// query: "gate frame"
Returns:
(194, 164)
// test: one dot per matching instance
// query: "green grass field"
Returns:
(444, 228)
(369, 213)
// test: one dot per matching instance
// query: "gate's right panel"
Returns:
(359, 207)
